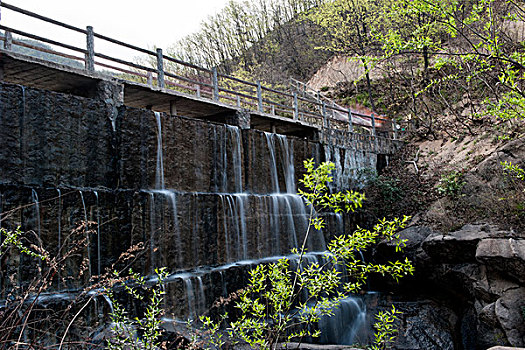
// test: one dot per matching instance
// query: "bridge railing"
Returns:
(166, 72)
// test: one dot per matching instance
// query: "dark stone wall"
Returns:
(63, 161)
(52, 139)
(199, 156)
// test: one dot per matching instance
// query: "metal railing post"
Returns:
(8, 40)
(350, 125)
(150, 78)
(259, 96)
(295, 106)
(90, 54)
(160, 69)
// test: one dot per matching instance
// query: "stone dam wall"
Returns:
(205, 199)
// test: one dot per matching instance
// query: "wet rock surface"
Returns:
(475, 275)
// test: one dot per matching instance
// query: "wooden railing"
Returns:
(171, 73)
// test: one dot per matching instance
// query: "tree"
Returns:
(348, 25)
(469, 45)
(272, 306)
(246, 34)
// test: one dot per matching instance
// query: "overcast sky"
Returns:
(142, 23)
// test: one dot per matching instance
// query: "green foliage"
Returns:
(271, 307)
(385, 329)
(12, 239)
(123, 327)
(513, 170)
(389, 188)
(451, 184)
(486, 54)
(316, 180)
(440, 53)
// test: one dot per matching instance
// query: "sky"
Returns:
(141, 23)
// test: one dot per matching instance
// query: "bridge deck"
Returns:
(33, 72)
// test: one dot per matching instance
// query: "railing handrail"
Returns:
(300, 107)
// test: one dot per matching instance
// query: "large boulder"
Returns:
(415, 236)
(425, 325)
(509, 310)
(459, 246)
(506, 255)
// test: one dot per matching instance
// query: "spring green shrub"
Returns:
(272, 306)
(451, 184)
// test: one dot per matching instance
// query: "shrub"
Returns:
(451, 184)
(272, 309)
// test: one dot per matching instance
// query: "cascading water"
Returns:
(201, 304)
(159, 173)
(216, 207)
(190, 297)
(171, 197)
(347, 325)
(287, 162)
(235, 137)
(273, 162)
(88, 241)
(99, 268)
(351, 171)
(34, 198)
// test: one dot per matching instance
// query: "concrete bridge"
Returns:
(177, 87)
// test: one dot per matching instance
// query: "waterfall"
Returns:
(287, 162)
(286, 210)
(273, 162)
(171, 197)
(234, 215)
(347, 323)
(228, 159)
(223, 285)
(190, 297)
(339, 223)
(59, 219)
(99, 269)
(274, 224)
(201, 302)
(195, 231)
(88, 241)
(153, 228)
(159, 172)
(34, 198)
(353, 171)
(235, 137)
